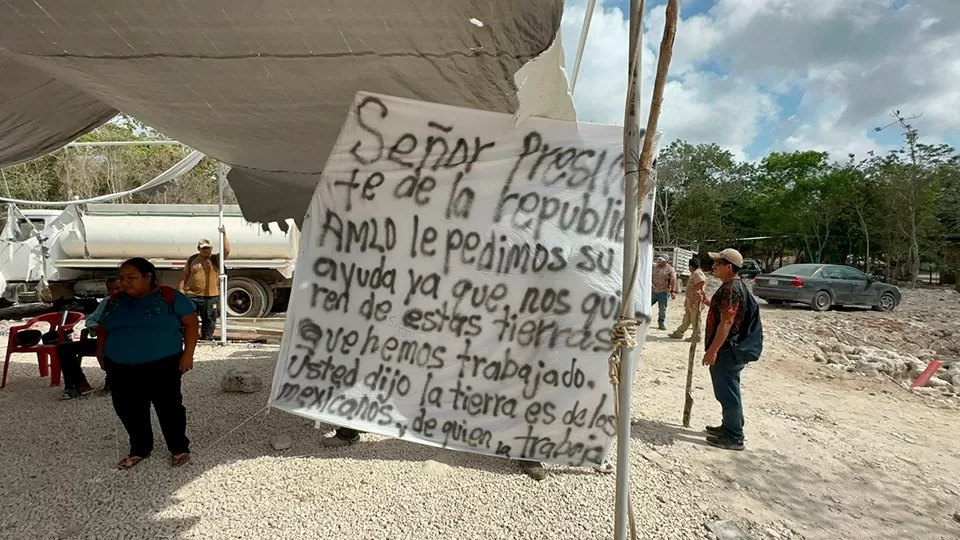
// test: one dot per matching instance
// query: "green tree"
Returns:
(83, 172)
(693, 190)
(911, 181)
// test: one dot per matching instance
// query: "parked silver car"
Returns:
(822, 286)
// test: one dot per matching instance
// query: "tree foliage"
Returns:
(887, 213)
(83, 172)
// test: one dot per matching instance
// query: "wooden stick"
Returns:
(688, 401)
(656, 102)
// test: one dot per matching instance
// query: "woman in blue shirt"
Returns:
(147, 335)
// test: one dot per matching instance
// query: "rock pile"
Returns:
(872, 361)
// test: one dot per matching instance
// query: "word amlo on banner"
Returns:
(457, 281)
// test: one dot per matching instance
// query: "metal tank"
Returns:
(171, 232)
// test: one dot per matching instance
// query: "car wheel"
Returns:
(887, 302)
(821, 301)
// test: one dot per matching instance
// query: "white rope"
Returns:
(238, 426)
(180, 168)
(623, 336)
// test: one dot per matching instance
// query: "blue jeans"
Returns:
(725, 374)
(661, 299)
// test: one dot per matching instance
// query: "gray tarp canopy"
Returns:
(264, 85)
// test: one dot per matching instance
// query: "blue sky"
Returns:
(761, 75)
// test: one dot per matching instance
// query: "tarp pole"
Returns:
(638, 182)
(631, 166)
(587, 17)
(221, 179)
(124, 143)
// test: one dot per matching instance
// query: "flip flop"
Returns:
(180, 459)
(129, 462)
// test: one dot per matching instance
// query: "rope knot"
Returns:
(623, 336)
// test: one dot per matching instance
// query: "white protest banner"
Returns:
(457, 281)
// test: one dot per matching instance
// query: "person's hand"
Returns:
(709, 358)
(222, 229)
(186, 363)
(673, 295)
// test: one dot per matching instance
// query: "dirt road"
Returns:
(829, 454)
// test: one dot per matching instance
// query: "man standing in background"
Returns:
(664, 289)
(201, 282)
(692, 298)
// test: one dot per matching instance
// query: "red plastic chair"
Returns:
(46, 354)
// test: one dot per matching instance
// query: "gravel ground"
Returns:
(847, 457)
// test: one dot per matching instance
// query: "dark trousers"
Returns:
(70, 353)
(661, 299)
(346, 433)
(207, 309)
(725, 374)
(135, 387)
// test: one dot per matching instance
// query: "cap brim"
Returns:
(714, 256)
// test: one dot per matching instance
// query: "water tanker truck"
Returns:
(63, 255)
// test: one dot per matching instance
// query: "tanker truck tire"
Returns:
(246, 298)
(281, 300)
(268, 293)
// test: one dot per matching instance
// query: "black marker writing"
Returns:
(367, 235)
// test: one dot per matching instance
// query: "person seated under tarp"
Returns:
(71, 353)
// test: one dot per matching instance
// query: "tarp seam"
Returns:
(452, 54)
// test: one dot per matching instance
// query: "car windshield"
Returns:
(806, 270)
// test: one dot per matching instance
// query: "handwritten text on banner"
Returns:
(457, 280)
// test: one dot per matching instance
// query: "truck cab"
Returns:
(29, 223)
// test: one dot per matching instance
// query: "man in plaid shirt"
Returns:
(664, 289)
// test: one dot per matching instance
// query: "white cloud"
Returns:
(852, 61)
(698, 106)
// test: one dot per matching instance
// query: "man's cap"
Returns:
(204, 243)
(730, 255)
(661, 258)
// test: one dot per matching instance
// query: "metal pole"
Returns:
(4, 176)
(631, 166)
(124, 143)
(587, 17)
(221, 179)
